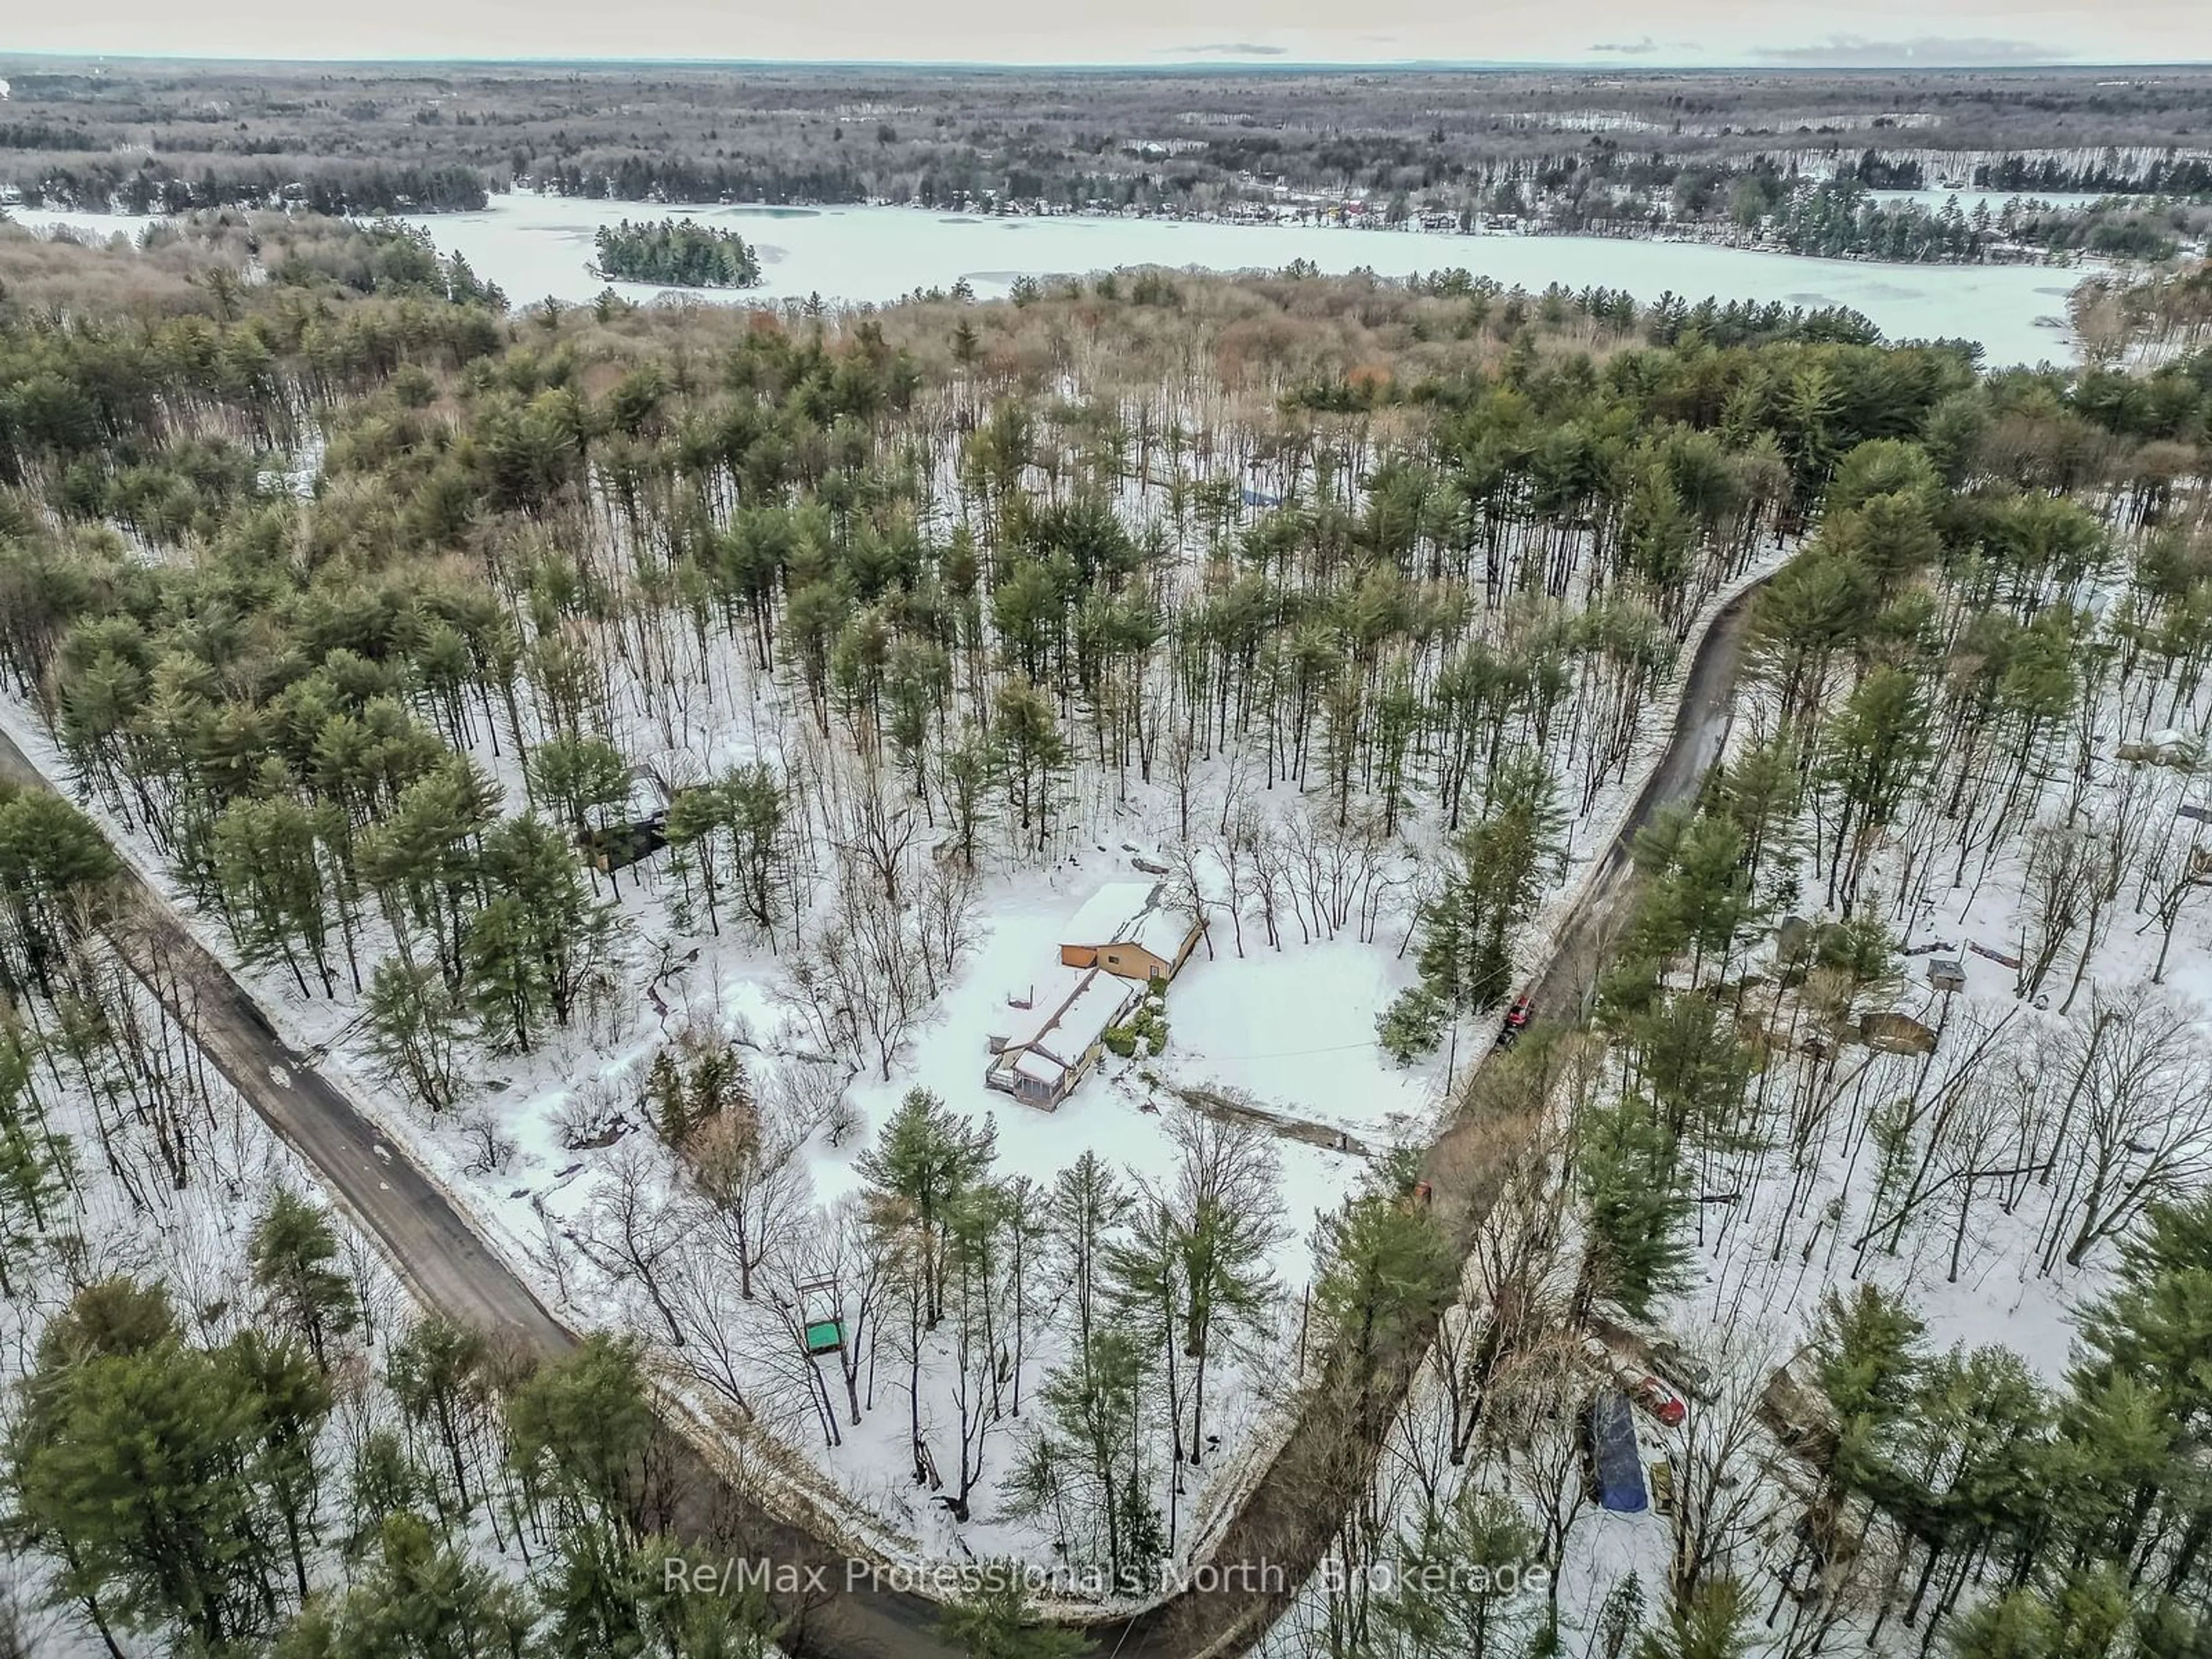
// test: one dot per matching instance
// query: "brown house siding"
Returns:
(1133, 962)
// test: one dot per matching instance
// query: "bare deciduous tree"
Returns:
(629, 1228)
(2144, 1117)
(945, 917)
(750, 1187)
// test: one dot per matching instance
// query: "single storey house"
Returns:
(1127, 929)
(1048, 1047)
(1122, 938)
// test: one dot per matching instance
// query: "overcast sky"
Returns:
(1651, 33)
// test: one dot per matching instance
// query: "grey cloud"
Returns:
(1855, 51)
(1643, 48)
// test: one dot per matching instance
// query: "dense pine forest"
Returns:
(682, 252)
(1843, 220)
(628, 726)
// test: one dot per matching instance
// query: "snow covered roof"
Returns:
(1159, 929)
(1048, 994)
(1039, 1069)
(1067, 1030)
(1078, 1023)
(1107, 912)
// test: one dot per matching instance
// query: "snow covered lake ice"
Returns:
(537, 246)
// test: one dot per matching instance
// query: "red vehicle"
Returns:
(1657, 1398)
(1516, 1021)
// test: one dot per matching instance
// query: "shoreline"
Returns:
(1672, 233)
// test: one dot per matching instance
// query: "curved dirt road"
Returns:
(1277, 1536)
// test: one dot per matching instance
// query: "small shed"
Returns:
(1100, 920)
(1947, 973)
(1616, 1459)
(617, 846)
(820, 1316)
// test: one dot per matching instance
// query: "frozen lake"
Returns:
(535, 246)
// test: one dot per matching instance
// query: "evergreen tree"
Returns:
(578, 777)
(1388, 1272)
(1411, 1025)
(1629, 1177)
(1872, 755)
(681, 253)
(138, 1466)
(37, 1168)
(56, 874)
(422, 858)
(735, 1623)
(1503, 864)
(536, 944)
(925, 1161)
(416, 1024)
(579, 1431)
(421, 1594)
(292, 1250)
(997, 1620)
(1454, 1584)
(1714, 1621)
(277, 894)
(1031, 754)
(438, 1373)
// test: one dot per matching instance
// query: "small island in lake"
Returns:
(681, 253)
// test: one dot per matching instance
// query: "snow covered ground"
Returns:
(132, 1218)
(1289, 1030)
(1295, 1029)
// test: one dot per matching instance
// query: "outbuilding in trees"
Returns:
(1616, 1461)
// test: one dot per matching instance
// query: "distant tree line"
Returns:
(2167, 175)
(100, 184)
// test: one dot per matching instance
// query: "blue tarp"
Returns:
(1613, 1450)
